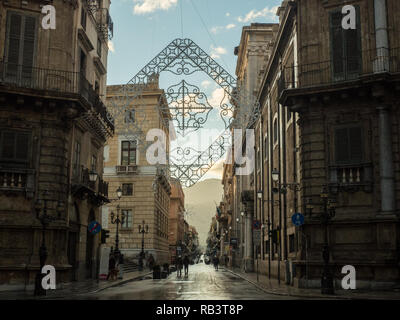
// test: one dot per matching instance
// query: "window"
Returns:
(275, 130)
(14, 146)
(127, 189)
(94, 163)
(128, 219)
(348, 145)
(128, 153)
(77, 158)
(345, 47)
(21, 43)
(82, 63)
(266, 148)
(99, 47)
(129, 116)
(291, 243)
(83, 18)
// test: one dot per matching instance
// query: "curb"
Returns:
(284, 294)
(122, 282)
(336, 297)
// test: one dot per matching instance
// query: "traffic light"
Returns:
(104, 235)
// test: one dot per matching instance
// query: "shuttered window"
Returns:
(14, 146)
(345, 47)
(128, 153)
(21, 45)
(348, 145)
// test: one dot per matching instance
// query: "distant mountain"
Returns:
(199, 202)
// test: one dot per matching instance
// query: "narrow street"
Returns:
(203, 283)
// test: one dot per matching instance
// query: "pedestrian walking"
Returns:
(112, 275)
(216, 262)
(186, 264)
(151, 262)
(179, 263)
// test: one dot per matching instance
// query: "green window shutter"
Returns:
(8, 145)
(337, 40)
(13, 43)
(22, 147)
(28, 53)
(341, 145)
(355, 145)
(353, 47)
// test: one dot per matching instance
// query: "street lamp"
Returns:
(116, 220)
(282, 186)
(93, 176)
(142, 229)
(42, 208)
(119, 193)
(329, 212)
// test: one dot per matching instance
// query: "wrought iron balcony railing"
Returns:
(104, 23)
(340, 70)
(81, 178)
(54, 82)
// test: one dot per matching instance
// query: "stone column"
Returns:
(381, 34)
(248, 201)
(386, 161)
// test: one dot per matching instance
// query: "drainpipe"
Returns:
(385, 137)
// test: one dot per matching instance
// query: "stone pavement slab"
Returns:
(76, 287)
(274, 287)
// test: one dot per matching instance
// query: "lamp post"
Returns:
(142, 229)
(42, 209)
(329, 212)
(118, 221)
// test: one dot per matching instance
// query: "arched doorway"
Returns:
(73, 236)
(89, 247)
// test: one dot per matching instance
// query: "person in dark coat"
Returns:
(179, 263)
(216, 262)
(111, 268)
(186, 264)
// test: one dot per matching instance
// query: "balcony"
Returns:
(17, 180)
(67, 84)
(83, 188)
(104, 23)
(331, 72)
(351, 177)
(129, 169)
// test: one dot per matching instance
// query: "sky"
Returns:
(142, 28)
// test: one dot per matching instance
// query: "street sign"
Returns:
(256, 224)
(298, 219)
(256, 236)
(94, 227)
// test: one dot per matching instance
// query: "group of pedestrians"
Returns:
(182, 263)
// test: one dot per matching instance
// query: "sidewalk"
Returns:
(73, 288)
(272, 286)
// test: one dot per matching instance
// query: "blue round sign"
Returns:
(94, 227)
(298, 219)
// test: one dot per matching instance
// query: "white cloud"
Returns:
(216, 52)
(253, 14)
(111, 46)
(216, 29)
(228, 14)
(149, 6)
(218, 97)
(205, 84)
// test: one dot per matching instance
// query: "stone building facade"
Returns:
(326, 145)
(176, 218)
(146, 188)
(53, 127)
